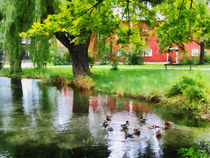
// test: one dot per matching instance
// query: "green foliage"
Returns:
(130, 58)
(102, 49)
(183, 22)
(39, 51)
(131, 44)
(115, 62)
(91, 61)
(186, 59)
(207, 58)
(59, 56)
(195, 93)
(17, 16)
(192, 153)
(193, 89)
(78, 19)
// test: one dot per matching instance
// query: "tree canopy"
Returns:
(74, 24)
(183, 21)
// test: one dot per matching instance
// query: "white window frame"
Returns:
(195, 52)
(119, 53)
(148, 52)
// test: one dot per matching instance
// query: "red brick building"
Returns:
(151, 53)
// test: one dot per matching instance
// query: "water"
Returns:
(37, 120)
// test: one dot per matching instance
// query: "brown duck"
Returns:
(158, 133)
(108, 118)
(136, 131)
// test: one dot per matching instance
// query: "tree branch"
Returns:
(191, 4)
(196, 42)
(180, 10)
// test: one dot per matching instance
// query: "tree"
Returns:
(78, 19)
(15, 20)
(18, 16)
(184, 21)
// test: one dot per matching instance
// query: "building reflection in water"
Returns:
(64, 110)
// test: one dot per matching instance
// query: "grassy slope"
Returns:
(138, 81)
(124, 81)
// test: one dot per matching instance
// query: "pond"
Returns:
(38, 120)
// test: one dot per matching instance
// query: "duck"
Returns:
(167, 127)
(106, 123)
(136, 131)
(128, 135)
(141, 117)
(125, 126)
(158, 133)
(108, 118)
(154, 127)
(167, 123)
(143, 120)
(109, 128)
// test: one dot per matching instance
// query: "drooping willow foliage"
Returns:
(18, 16)
(39, 46)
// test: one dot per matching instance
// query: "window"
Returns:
(119, 53)
(148, 52)
(194, 52)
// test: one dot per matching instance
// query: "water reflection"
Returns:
(35, 118)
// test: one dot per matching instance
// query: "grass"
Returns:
(123, 82)
(138, 81)
(143, 66)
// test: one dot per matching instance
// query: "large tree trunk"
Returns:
(79, 55)
(202, 46)
(78, 52)
(15, 63)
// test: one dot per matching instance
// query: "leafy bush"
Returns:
(59, 56)
(104, 61)
(207, 58)
(131, 58)
(84, 82)
(186, 59)
(192, 153)
(193, 89)
(91, 58)
(194, 93)
(115, 62)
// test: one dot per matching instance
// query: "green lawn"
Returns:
(124, 81)
(143, 66)
(139, 81)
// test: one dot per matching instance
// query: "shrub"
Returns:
(84, 82)
(186, 59)
(115, 62)
(91, 61)
(59, 80)
(59, 56)
(192, 153)
(174, 90)
(131, 58)
(193, 89)
(207, 58)
(194, 93)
